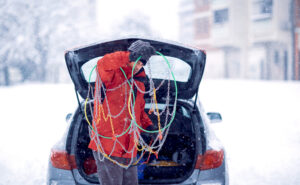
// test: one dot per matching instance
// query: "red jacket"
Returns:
(111, 75)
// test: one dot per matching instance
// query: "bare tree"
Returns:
(9, 27)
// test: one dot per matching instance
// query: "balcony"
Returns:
(262, 10)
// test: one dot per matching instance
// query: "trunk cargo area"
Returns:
(176, 158)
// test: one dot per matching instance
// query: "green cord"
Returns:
(172, 119)
(176, 92)
(131, 120)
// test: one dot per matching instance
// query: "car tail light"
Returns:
(62, 160)
(89, 166)
(211, 159)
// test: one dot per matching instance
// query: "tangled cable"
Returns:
(134, 128)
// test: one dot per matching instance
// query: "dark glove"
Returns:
(141, 48)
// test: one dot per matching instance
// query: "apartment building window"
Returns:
(221, 16)
(202, 26)
(262, 9)
(297, 12)
(285, 65)
(276, 57)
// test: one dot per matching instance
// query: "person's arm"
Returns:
(111, 62)
(145, 120)
(148, 125)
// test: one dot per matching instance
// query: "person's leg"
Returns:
(108, 172)
(130, 176)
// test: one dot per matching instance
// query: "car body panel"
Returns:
(205, 138)
(218, 175)
(57, 176)
(213, 176)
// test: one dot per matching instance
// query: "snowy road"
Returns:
(261, 129)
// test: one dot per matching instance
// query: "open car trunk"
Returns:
(176, 71)
(176, 159)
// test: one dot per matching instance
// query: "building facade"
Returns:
(296, 37)
(270, 40)
(186, 14)
(252, 39)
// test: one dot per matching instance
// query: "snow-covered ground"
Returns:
(32, 119)
(260, 129)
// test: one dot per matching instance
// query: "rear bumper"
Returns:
(216, 176)
(57, 176)
(60, 182)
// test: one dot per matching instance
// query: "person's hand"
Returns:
(141, 48)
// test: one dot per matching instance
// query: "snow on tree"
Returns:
(34, 35)
(135, 23)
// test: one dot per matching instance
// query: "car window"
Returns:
(157, 68)
(160, 106)
(88, 70)
(185, 112)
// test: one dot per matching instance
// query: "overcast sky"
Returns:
(163, 14)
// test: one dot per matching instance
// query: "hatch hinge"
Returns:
(194, 108)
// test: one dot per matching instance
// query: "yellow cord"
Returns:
(86, 117)
(113, 161)
(129, 110)
(158, 117)
(111, 122)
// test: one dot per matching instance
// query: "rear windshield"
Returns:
(157, 67)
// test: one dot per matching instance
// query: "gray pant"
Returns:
(112, 174)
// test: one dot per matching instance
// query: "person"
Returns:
(121, 149)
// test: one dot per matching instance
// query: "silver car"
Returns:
(191, 154)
